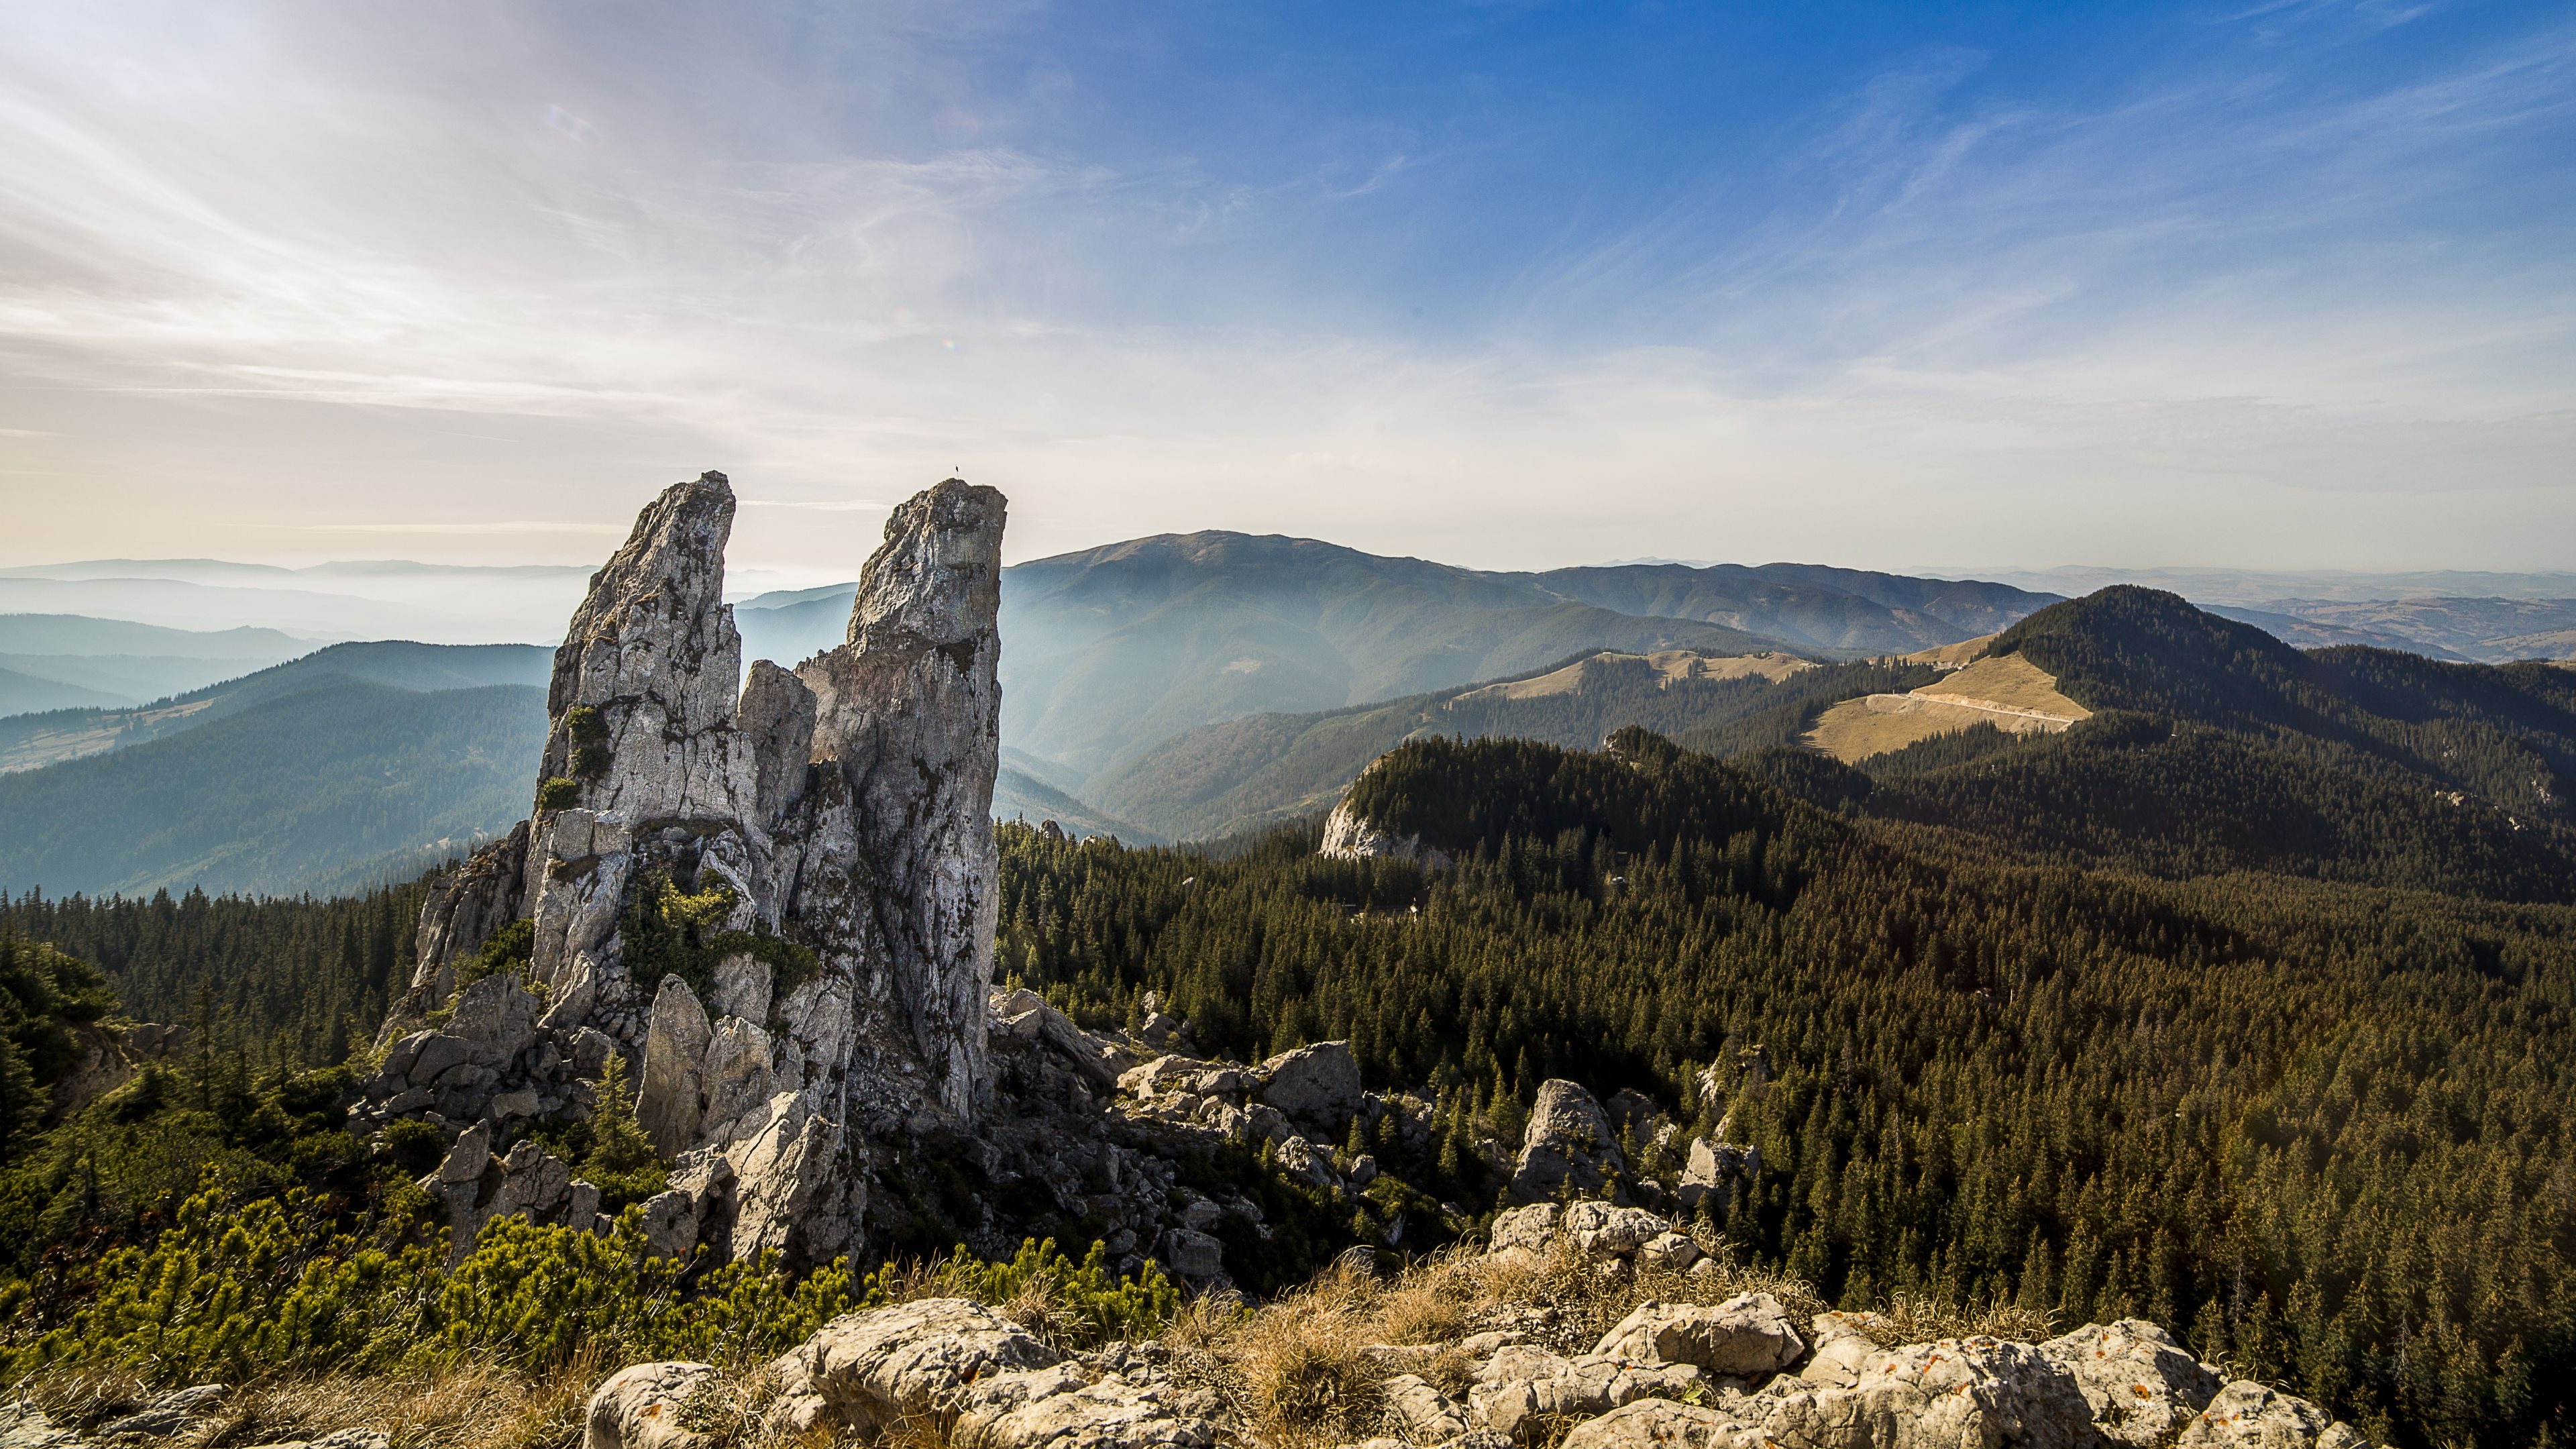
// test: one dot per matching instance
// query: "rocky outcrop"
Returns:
(2142, 1386)
(908, 721)
(774, 902)
(475, 1187)
(1349, 837)
(109, 1057)
(2246, 1415)
(1712, 1174)
(1316, 1086)
(1522, 1388)
(641, 1407)
(1568, 1146)
(1746, 1337)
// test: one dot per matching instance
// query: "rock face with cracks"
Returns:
(775, 900)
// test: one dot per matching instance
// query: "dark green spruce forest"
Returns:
(2247, 1006)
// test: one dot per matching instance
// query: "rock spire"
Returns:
(777, 901)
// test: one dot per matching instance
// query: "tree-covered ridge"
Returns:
(2504, 733)
(2322, 1130)
(296, 980)
(2144, 793)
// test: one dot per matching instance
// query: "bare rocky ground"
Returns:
(1570, 1336)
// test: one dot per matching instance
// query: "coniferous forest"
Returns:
(2321, 1130)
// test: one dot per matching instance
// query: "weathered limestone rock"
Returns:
(1428, 1415)
(1669, 1253)
(873, 1368)
(1529, 1229)
(1061, 1408)
(777, 712)
(1606, 1230)
(1348, 836)
(1317, 1086)
(462, 912)
(666, 1104)
(1843, 1344)
(1193, 1256)
(1970, 1391)
(2141, 1384)
(1521, 1388)
(1568, 1144)
(1712, 1172)
(908, 714)
(842, 808)
(1659, 1424)
(639, 1408)
(168, 1416)
(642, 721)
(1748, 1336)
(2247, 1415)
(476, 1187)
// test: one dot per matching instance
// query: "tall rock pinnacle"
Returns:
(780, 902)
(910, 713)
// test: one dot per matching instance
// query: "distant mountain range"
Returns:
(65, 661)
(1175, 687)
(32, 741)
(353, 765)
(1111, 651)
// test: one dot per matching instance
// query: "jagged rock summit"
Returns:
(778, 902)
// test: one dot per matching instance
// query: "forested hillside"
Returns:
(35, 740)
(344, 785)
(2322, 1130)
(289, 980)
(2216, 747)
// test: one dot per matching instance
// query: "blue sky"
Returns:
(2259, 285)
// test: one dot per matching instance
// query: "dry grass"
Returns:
(1911, 1318)
(472, 1402)
(2008, 680)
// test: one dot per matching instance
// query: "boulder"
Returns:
(1970, 1391)
(2248, 1415)
(1843, 1344)
(168, 1416)
(1748, 1336)
(1299, 1161)
(675, 1051)
(1669, 1253)
(1162, 1074)
(1569, 1145)
(1062, 1408)
(1192, 1255)
(670, 1224)
(496, 1019)
(1659, 1424)
(874, 1368)
(1710, 1176)
(1521, 1389)
(1604, 1230)
(1318, 1086)
(2142, 1386)
(1529, 1229)
(639, 1408)
(1428, 1415)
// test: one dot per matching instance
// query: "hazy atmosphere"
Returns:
(2279, 284)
